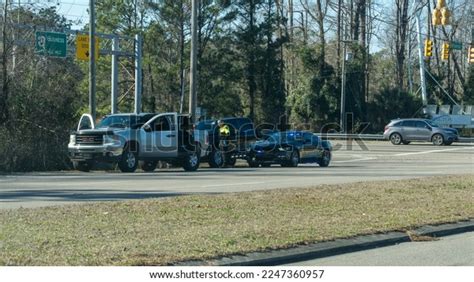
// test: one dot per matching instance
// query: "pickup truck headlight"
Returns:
(112, 140)
(72, 139)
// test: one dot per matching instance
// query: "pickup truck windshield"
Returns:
(123, 121)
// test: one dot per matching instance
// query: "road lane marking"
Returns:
(431, 151)
(356, 160)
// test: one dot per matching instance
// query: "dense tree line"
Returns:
(276, 61)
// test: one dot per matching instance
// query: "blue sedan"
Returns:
(289, 149)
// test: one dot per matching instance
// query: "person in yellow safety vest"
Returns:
(224, 133)
(224, 130)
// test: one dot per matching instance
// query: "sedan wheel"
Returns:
(396, 139)
(438, 140)
(294, 159)
(324, 162)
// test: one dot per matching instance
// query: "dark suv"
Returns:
(404, 131)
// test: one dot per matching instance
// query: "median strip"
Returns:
(201, 227)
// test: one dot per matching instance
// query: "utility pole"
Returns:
(115, 74)
(193, 72)
(343, 80)
(424, 94)
(343, 90)
(92, 56)
(4, 94)
(138, 73)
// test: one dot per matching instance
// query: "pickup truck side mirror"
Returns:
(147, 128)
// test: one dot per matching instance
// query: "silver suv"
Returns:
(404, 131)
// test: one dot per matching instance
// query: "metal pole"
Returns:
(422, 62)
(115, 57)
(92, 59)
(343, 89)
(181, 102)
(138, 73)
(193, 72)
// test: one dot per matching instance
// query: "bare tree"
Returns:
(400, 40)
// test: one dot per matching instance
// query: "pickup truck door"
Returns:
(86, 122)
(159, 137)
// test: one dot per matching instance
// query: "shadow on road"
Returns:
(83, 195)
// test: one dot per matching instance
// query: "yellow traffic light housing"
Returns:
(445, 52)
(441, 4)
(445, 15)
(436, 17)
(428, 48)
(470, 54)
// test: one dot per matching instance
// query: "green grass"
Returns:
(164, 231)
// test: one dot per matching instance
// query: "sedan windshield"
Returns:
(285, 136)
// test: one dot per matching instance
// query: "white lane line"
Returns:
(232, 184)
(356, 160)
(429, 152)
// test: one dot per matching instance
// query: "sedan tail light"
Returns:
(386, 127)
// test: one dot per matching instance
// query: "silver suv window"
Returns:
(409, 123)
(421, 124)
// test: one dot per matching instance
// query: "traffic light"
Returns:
(436, 17)
(470, 54)
(428, 48)
(445, 52)
(441, 14)
(445, 15)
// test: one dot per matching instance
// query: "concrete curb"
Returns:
(331, 248)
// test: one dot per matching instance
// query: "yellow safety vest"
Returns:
(224, 130)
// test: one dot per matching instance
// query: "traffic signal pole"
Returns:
(424, 94)
(193, 72)
(92, 56)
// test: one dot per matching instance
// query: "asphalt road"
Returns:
(360, 162)
(456, 250)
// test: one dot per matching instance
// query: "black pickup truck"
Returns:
(242, 135)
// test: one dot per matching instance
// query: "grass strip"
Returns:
(164, 231)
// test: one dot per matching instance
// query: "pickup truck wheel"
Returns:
(216, 159)
(84, 166)
(148, 166)
(191, 162)
(230, 162)
(129, 161)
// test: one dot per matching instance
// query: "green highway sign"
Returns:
(50, 44)
(456, 45)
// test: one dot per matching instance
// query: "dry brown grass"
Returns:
(163, 231)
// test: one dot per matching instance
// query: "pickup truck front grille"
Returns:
(89, 139)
